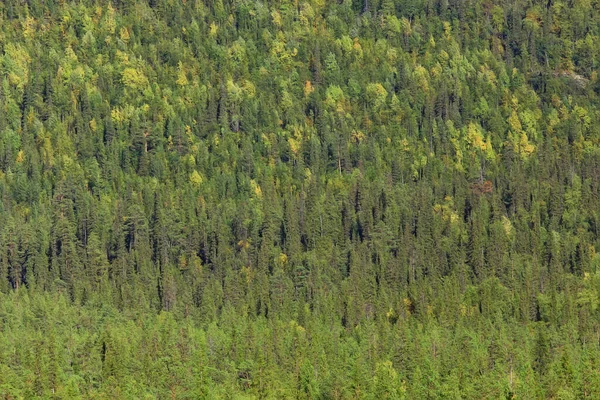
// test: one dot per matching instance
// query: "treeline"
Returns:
(299, 199)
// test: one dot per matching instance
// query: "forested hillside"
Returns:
(354, 199)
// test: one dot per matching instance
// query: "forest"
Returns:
(308, 199)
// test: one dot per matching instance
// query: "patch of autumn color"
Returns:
(276, 16)
(533, 19)
(214, 28)
(283, 259)
(481, 188)
(475, 137)
(519, 138)
(391, 313)
(447, 30)
(308, 88)
(248, 273)
(196, 179)
(446, 210)
(249, 88)
(183, 264)
(18, 67)
(181, 75)
(134, 78)
(124, 34)
(29, 28)
(377, 93)
(525, 147)
(294, 145)
(116, 115)
(515, 122)
(256, 188)
(421, 76)
(243, 244)
(358, 136)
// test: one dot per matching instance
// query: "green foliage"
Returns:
(352, 199)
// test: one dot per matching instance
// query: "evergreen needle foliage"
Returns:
(354, 199)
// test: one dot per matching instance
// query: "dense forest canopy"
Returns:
(378, 199)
